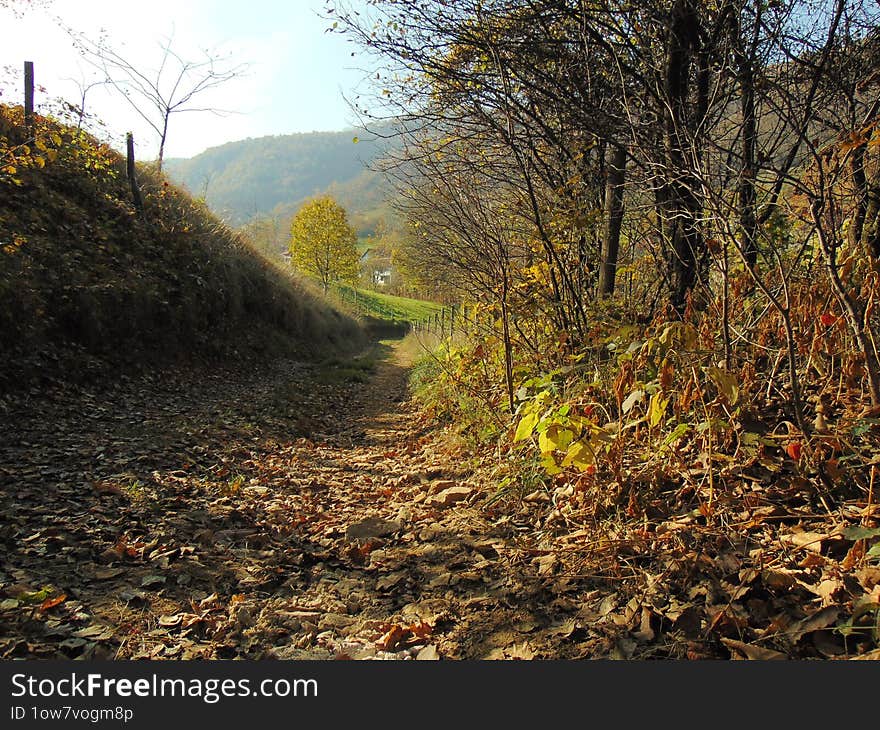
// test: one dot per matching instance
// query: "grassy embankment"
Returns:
(88, 283)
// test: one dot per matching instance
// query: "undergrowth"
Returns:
(647, 443)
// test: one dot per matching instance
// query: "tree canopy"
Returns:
(323, 244)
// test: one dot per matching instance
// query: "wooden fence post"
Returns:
(132, 174)
(29, 96)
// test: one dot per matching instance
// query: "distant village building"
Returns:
(375, 267)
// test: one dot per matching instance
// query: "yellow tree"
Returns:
(323, 244)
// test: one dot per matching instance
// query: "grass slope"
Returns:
(388, 307)
(87, 282)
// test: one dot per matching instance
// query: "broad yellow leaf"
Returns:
(657, 408)
(554, 438)
(550, 466)
(526, 426)
(580, 456)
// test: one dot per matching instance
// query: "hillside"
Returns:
(272, 176)
(87, 282)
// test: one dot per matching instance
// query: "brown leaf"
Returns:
(421, 630)
(812, 560)
(170, 621)
(855, 555)
(107, 488)
(645, 632)
(809, 540)
(752, 652)
(818, 621)
(392, 637)
(520, 651)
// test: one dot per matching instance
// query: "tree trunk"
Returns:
(614, 213)
(162, 140)
(29, 96)
(132, 174)
(748, 218)
(686, 247)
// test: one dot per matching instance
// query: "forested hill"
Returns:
(272, 175)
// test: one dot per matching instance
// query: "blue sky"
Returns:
(295, 81)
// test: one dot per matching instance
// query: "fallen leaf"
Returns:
(388, 582)
(450, 496)
(108, 573)
(645, 632)
(50, 603)
(392, 638)
(371, 527)
(520, 651)
(153, 581)
(132, 597)
(752, 652)
(421, 630)
(820, 620)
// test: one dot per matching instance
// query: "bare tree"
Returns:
(172, 88)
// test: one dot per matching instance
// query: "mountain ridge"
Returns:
(271, 176)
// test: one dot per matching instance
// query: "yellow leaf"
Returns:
(550, 466)
(657, 408)
(526, 426)
(544, 443)
(725, 382)
(555, 439)
(580, 456)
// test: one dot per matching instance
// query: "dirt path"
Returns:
(289, 513)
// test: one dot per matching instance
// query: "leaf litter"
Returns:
(268, 514)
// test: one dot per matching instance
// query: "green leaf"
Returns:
(526, 427)
(874, 552)
(857, 532)
(678, 432)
